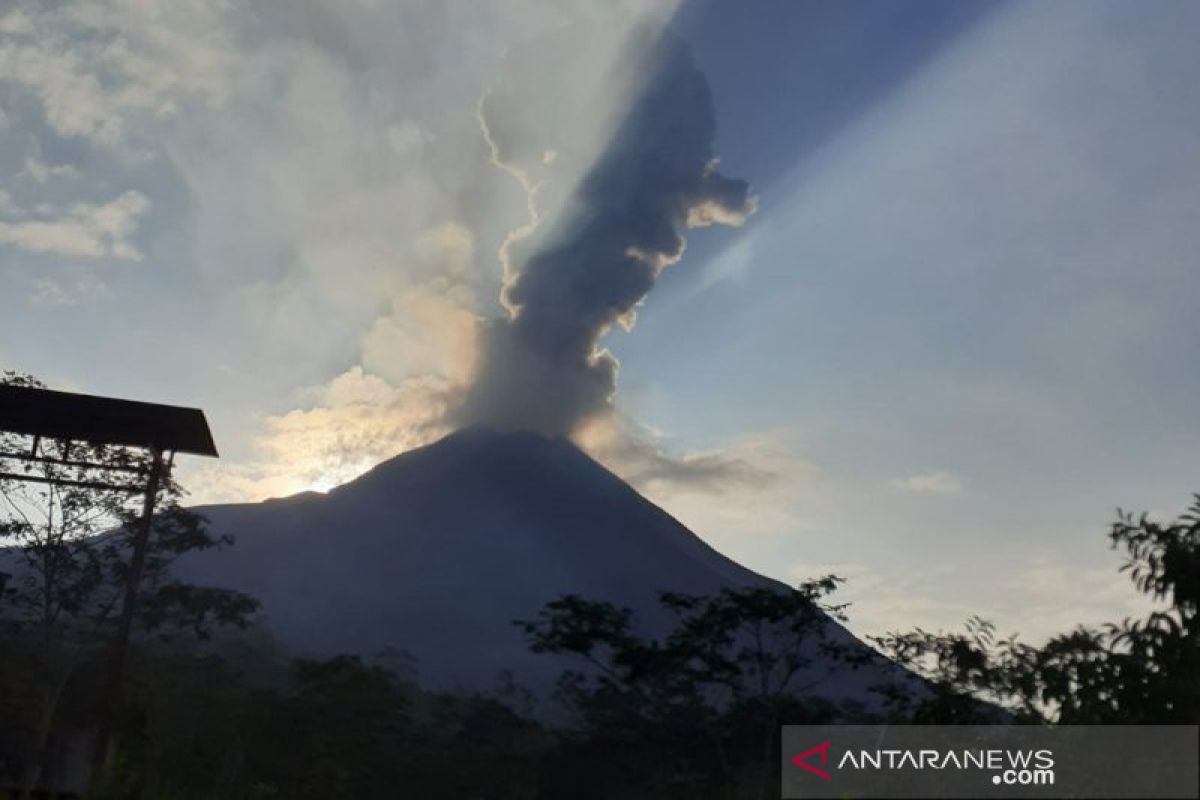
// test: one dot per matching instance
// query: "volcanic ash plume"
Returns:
(541, 367)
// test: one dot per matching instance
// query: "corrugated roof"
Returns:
(104, 420)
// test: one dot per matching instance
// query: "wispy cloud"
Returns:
(94, 65)
(741, 486)
(647, 459)
(62, 292)
(1036, 599)
(40, 171)
(934, 482)
(85, 230)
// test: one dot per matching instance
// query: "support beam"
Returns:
(36, 459)
(97, 485)
(111, 692)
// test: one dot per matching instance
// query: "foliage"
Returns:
(67, 538)
(69, 545)
(711, 694)
(1137, 671)
(219, 721)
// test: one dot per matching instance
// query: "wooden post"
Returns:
(111, 692)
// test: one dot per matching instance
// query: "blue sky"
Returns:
(957, 333)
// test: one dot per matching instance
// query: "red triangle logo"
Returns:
(801, 760)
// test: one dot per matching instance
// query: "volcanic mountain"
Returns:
(438, 550)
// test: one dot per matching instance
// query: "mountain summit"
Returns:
(438, 550)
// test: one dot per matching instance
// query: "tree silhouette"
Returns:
(66, 564)
(697, 711)
(1137, 671)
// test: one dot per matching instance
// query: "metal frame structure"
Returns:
(160, 431)
(32, 457)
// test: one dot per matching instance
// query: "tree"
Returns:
(66, 551)
(711, 694)
(338, 732)
(1137, 671)
(246, 723)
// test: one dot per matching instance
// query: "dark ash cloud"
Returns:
(541, 368)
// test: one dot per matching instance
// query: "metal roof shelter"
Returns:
(104, 420)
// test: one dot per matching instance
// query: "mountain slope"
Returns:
(436, 551)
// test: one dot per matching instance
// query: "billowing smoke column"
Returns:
(541, 368)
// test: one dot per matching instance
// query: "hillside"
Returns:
(436, 551)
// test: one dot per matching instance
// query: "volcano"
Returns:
(436, 551)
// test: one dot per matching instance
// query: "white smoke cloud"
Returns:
(348, 426)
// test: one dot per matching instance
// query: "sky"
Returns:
(945, 332)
